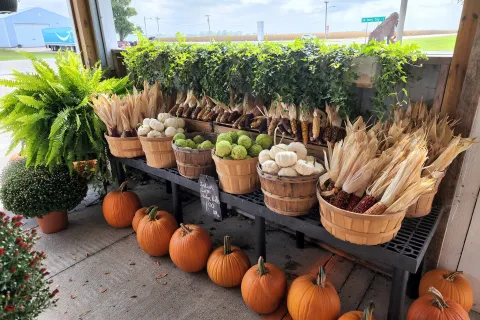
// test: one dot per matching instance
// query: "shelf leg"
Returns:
(397, 294)
(414, 282)
(300, 239)
(260, 246)
(177, 203)
(120, 173)
(168, 186)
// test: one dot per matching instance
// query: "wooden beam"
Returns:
(82, 20)
(440, 91)
(461, 185)
(463, 46)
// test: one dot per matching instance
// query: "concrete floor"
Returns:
(103, 274)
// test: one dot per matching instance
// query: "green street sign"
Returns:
(373, 19)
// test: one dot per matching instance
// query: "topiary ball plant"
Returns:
(37, 191)
(25, 291)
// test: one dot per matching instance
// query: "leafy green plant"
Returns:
(37, 191)
(25, 289)
(306, 72)
(49, 113)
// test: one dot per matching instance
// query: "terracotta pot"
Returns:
(53, 222)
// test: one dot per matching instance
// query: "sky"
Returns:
(279, 16)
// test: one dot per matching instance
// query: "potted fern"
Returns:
(48, 112)
(42, 193)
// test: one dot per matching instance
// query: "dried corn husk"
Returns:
(275, 111)
(292, 114)
(306, 118)
(411, 195)
(456, 146)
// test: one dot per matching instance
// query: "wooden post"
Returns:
(82, 20)
(460, 187)
(466, 33)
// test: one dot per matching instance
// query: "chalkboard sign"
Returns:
(210, 196)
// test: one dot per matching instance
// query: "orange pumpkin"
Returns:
(313, 297)
(435, 307)
(227, 265)
(155, 231)
(190, 247)
(450, 284)
(367, 314)
(139, 214)
(263, 287)
(119, 207)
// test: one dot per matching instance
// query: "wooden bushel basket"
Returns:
(159, 152)
(237, 176)
(125, 147)
(359, 228)
(290, 196)
(192, 163)
(423, 206)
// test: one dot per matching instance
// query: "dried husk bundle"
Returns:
(333, 132)
(306, 118)
(456, 146)
(292, 114)
(274, 115)
(411, 194)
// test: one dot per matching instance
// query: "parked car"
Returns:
(123, 44)
(308, 36)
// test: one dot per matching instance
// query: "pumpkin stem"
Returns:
(227, 248)
(321, 277)
(368, 312)
(150, 208)
(153, 213)
(438, 299)
(261, 267)
(123, 187)
(185, 229)
(451, 276)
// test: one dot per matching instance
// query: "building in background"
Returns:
(24, 28)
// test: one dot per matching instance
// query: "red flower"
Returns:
(18, 240)
(54, 292)
(13, 269)
(43, 270)
(26, 277)
(2, 214)
(18, 224)
(2, 251)
(17, 218)
(34, 231)
(9, 308)
(23, 245)
(26, 297)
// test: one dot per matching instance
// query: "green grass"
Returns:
(443, 43)
(7, 55)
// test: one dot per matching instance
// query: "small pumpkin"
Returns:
(299, 148)
(287, 172)
(304, 168)
(155, 231)
(263, 156)
(286, 159)
(313, 297)
(227, 265)
(367, 314)
(276, 149)
(190, 247)
(139, 214)
(450, 284)
(119, 207)
(270, 166)
(263, 287)
(435, 307)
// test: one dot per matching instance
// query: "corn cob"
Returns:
(179, 111)
(256, 122)
(305, 126)
(218, 114)
(196, 112)
(233, 116)
(224, 117)
(237, 122)
(202, 112)
(292, 112)
(173, 111)
(316, 124)
(366, 203)
(189, 112)
(248, 121)
(207, 113)
(352, 202)
(340, 200)
(377, 209)
(262, 128)
(298, 136)
(210, 116)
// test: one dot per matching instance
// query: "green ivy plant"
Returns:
(48, 112)
(307, 72)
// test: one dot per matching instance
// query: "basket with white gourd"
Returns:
(156, 137)
(288, 176)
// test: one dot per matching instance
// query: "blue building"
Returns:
(24, 28)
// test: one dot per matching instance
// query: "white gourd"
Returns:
(180, 130)
(171, 122)
(154, 134)
(276, 149)
(286, 158)
(304, 168)
(319, 169)
(270, 166)
(288, 172)
(163, 116)
(143, 130)
(299, 148)
(263, 156)
(157, 125)
(310, 159)
(146, 121)
(180, 123)
(170, 131)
